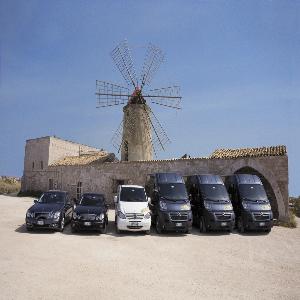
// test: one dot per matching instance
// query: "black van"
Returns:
(211, 206)
(170, 206)
(250, 203)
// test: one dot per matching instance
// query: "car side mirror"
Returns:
(149, 200)
(115, 199)
(35, 201)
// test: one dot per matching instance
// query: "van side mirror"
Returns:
(74, 200)
(149, 200)
(115, 199)
(35, 201)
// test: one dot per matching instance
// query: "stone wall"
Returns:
(103, 178)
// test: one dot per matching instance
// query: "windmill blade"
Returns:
(122, 58)
(118, 137)
(109, 94)
(153, 59)
(168, 96)
(158, 136)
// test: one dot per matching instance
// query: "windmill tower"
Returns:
(140, 134)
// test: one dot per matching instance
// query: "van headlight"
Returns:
(163, 205)
(207, 205)
(147, 215)
(228, 207)
(100, 217)
(30, 214)
(121, 215)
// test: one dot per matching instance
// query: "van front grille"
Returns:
(134, 216)
(179, 216)
(223, 216)
(261, 216)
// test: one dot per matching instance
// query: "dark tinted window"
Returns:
(173, 191)
(214, 192)
(131, 194)
(52, 197)
(92, 200)
(252, 192)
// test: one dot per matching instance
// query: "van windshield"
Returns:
(173, 191)
(252, 192)
(214, 192)
(131, 194)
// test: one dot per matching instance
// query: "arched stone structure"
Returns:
(251, 166)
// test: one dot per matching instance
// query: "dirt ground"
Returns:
(54, 265)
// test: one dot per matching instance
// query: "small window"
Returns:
(50, 184)
(32, 165)
(42, 165)
(79, 190)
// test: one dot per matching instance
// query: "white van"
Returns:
(131, 209)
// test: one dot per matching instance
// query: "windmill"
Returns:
(140, 135)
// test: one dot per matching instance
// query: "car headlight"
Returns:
(121, 215)
(76, 216)
(30, 214)
(55, 215)
(207, 205)
(163, 205)
(100, 217)
(245, 205)
(228, 207)
(147, 215)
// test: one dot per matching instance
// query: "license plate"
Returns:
(87, 223)
(262, 224)
(178, 224)
(40, 222)
(223, 223)
(134, 224)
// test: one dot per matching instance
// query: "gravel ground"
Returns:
(52, 265)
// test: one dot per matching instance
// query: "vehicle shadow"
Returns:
(22, 229)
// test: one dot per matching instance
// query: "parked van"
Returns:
(250, 202)
(131, 209)
(211, 206)
(170, 206)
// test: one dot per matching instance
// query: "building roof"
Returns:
(85, 159)
(249, 152)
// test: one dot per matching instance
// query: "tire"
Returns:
(188, 231)
(28, 228)
(62, 224)
(158, 226)
(240, 225)
(73, 229)
(268, 230)
(104, 230)
(202, 225)
(147, 232)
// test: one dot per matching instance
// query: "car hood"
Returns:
(89, 209)
(43, 207)
(133, 207)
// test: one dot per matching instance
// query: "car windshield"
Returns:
(173, 191)
(252, 192)
(133, 194)
(214, 192)
(52, 198)
(92, 200)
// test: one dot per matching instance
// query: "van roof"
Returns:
(169, 178)
(247, 179)
(132, 186)
(209, 179)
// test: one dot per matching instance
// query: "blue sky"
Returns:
(237, 62)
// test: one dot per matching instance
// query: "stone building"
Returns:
(53, 163)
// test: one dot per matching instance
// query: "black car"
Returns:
(53, 210)
(250, 202)
(90, 213)
(170, 206)
(211, 206)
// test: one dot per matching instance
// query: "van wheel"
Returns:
(240, 226)
(62, 224)
(158, 226)
(202, 224)
(104, 229)
(147, 232)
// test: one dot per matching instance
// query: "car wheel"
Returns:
(73, 229)
(268, 230)
(202, 224)
(158, 226)
(62, 224)
(188, 231)
(240, 226)
(104, 229)
(28, 228)
(147, 232)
